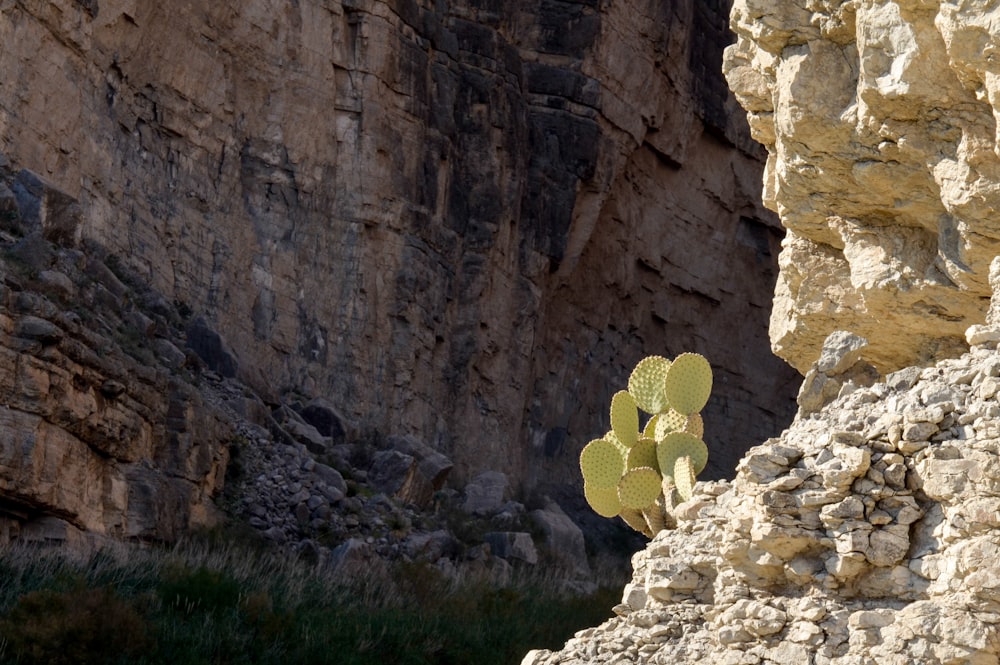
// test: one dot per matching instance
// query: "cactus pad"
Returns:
(601, 463)
(639, 487)
(619, 446)
(647, 383)
(635, 519)
(681, 444)
(688, 383)
(649, 431)
(695, 425)
(643, 453)
(684, 476)
(624, 418)
(669, 421)
(604, 500)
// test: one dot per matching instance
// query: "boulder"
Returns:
(512, 545)
(562, 539)
(389, 470)
(485, 494)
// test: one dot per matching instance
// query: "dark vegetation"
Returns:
(202, 603)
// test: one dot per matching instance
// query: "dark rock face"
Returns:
(98, 436)
(464, 220)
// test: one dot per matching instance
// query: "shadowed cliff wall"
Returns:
(460, 220)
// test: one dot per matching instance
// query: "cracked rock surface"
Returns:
(866, 533)
(880, 123)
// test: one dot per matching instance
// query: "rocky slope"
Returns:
(866, 533)
(880, 123)
(458, 221)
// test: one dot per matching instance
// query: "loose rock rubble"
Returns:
(867, 533)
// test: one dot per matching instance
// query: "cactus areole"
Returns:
(640, 471)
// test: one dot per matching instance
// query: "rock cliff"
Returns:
(461, 221)
(880, 123)
(867, 533)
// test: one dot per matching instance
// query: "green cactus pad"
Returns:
(669, 421)
(647, 384)
(624, 418)
(688, 383)
(635, 519)
(649, 431)
(681, 444)
(604, 500)
(601, 464)
(695, 425)
(619, 446)
(684, 476)
(643, 453)
(639, 487)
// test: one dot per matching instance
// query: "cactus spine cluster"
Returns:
(640, 474)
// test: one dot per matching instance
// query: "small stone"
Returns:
(981, 335)
(40, 330)
(919, 431)
(841, 350)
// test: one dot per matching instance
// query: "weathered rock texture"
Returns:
(100, 434)
(866, 534)
(457, 220)
(880, 119)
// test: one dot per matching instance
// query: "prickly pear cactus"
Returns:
(640, 470)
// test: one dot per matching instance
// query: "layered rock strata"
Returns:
(103, 430)
(867, 533)
(880, 122)
(461, 221)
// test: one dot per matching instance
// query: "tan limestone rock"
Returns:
(880, 123)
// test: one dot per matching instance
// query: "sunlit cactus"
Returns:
(639, 471)
(604, 500)
(647, 384)
(684, 476)
(624, 418)
(688, 383)
(681, 444)
(643, 453)
(639, 487)
(601, 464)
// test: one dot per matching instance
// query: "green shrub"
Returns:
(210, 603)
(200, 589)
(78, 627)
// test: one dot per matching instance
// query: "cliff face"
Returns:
(458, 220)
(103, 431)
(880, 123)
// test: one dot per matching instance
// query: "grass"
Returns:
(203, 603)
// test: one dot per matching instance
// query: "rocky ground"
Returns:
(866, 533)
